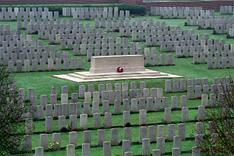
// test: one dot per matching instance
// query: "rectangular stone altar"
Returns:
(106, 64)
(105, 68)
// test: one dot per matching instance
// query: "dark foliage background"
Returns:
(219, 139)
(11, 111)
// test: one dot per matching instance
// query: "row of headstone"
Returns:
(101, 46)
(111, 25)
(23, 9)
(95, 12)
(23, 18)
(149, 99)
(181, 51)
(103, 50)
(209, 100)
(164, 47)
(107, 123)
(220, 62)
(28, 61)
(154, 59)
(196, 87)
(74, 37)
(46, 28)
(106, 91)
(126, 149)
(150, 104)
(179, 12)
(140, 30)
(212, 52)
(88, 13)
(58, 25)
(108, 98)
(20, 53)
(127, 27)
(154, 36)
(214, 89)
(35, 27)
(135, 104)
(169, 44)
(83, 47)
(7, 14)
(222, 80)
(220, 24)
(226, 9)
(110, 95)
(66, 109)
(231, 32)
(5, 30)
(204, 55)
(33, 52)
(199, 21)
(175, 85)
(187, 51)
(180, 85)
(115, 87)
(73, 24)
(168, 132)
(196, 92)
(99, 43)
(105, 41)
(168, 38)
(44, 65)
(95, 91)
(211, 45)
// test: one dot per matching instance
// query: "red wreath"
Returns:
(119, 69)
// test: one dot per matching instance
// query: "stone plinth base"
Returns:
(90, 77)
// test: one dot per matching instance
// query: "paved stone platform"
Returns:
(105, 68)
(91, 77)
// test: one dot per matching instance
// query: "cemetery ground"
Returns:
(42, 82)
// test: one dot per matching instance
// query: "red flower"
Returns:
(119, 69)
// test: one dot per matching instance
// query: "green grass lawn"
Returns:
(42, 82)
